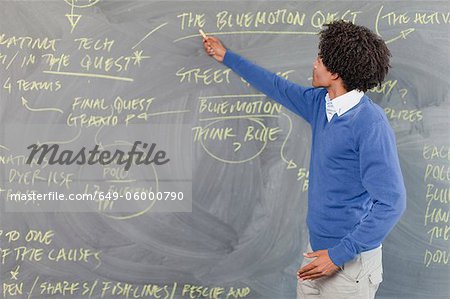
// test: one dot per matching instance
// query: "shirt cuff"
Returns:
(339, 254)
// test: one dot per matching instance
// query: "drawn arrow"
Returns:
(25, 104)
(100, 146)
(290, 164)
(168, 112)
(403, 34)
(73, 20)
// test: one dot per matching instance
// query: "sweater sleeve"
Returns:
(294, 97)
(382, 178)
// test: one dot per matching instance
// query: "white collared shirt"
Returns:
(342, 103)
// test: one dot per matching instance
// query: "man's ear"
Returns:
(335, 76)
(338, 80)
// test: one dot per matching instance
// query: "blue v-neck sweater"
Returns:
(356, 192)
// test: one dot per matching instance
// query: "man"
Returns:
(356, 192)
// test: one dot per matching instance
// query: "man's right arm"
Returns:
(296, 98)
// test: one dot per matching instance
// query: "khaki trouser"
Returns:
(357, 279)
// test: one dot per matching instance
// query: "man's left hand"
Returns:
(322, 266)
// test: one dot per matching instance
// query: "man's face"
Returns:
(321, 76)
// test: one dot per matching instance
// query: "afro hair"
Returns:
(355, 53)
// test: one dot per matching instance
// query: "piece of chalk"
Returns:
(202, 33)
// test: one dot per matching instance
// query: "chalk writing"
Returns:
(250, 19)
(413, 115)
(206, 77)
(437, 195)
(28, 42)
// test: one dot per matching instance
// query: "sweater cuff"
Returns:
(230, 58)
(339, 254)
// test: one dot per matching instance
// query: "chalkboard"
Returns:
(109, 73)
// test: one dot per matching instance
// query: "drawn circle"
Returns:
(72, 3)
(234, 161)
(139, 213)
(131, 214)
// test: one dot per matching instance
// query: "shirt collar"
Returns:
(345, 102)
